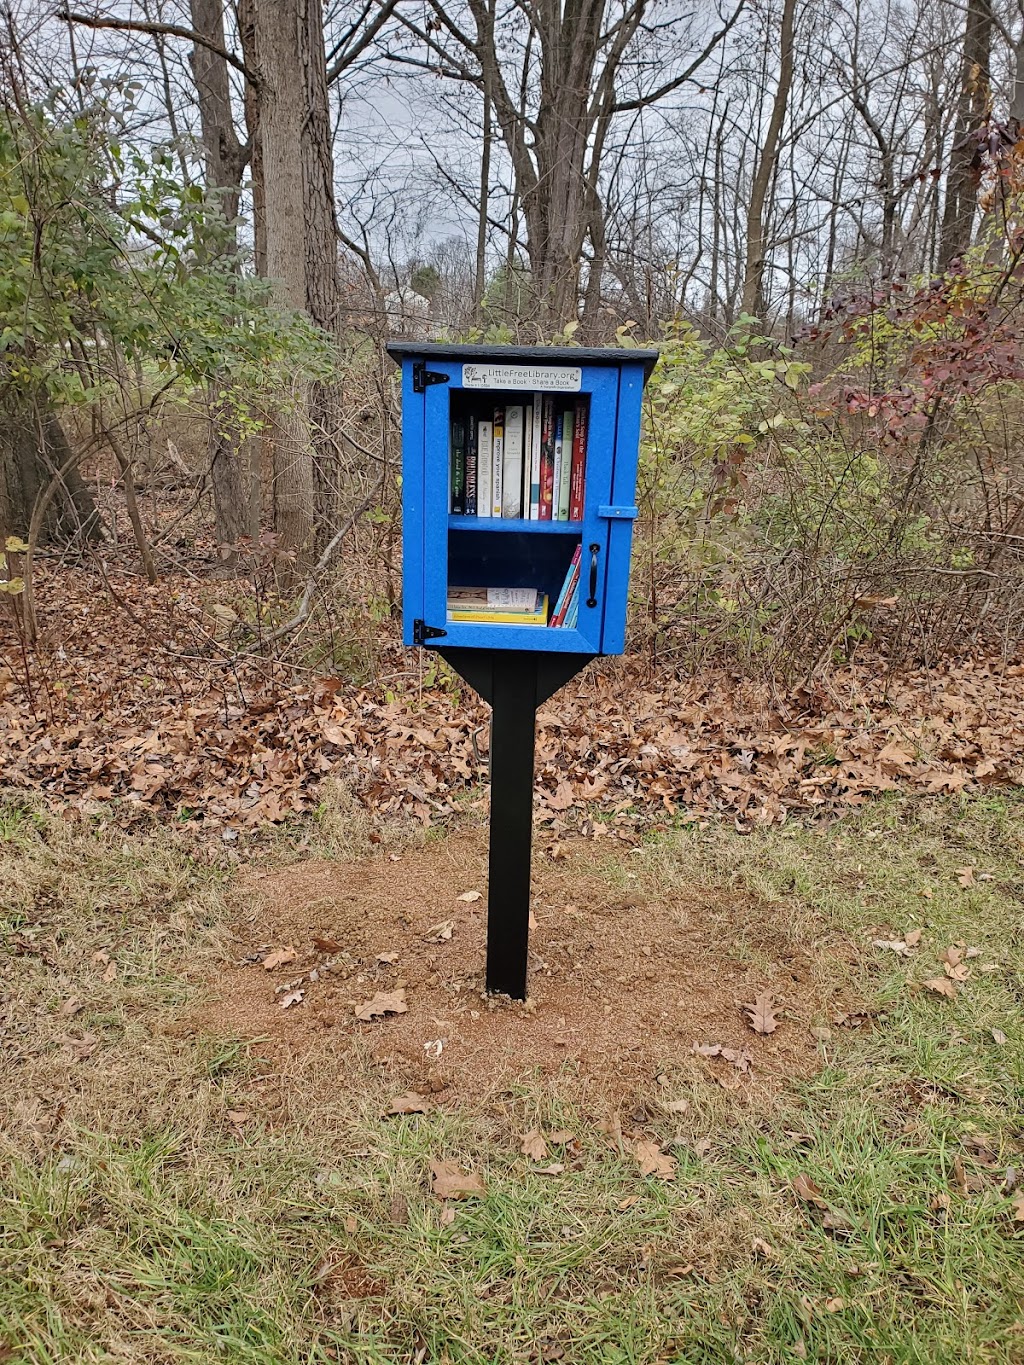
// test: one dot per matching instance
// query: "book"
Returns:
(497, 460)
(571, 579)
(566, 469)
(498, 606)
(458, 465)
(494, 599)
(471, 466)
(512, 463)
(572, 615)
(527, 448)
(556, 473)
(577, 478)
(484, 458)
(534, 499)
(547, 458)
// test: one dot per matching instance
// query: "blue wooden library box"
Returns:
(519, 483)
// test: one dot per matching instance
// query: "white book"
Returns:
(527, 449)
(562, 488)
(497, 460)
(556, 484)
(534, 498)
(484, 441)
(512, 465)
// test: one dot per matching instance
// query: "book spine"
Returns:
(471, 466)
(484, 457)
(566, 471)
(556, 474)
(547, 458)
(570, 579)
(572, 614)
(497, 460)
(535, 460)
(577, 479)
(524, 490)
(458, 465)
(512, 464)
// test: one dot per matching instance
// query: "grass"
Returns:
(141, 1219)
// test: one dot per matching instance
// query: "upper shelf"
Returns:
(463, 523)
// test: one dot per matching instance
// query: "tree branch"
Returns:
(165, 30)
(642, 101)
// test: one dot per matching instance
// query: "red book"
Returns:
(547, 459)
(577, 478)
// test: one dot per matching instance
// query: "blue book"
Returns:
(571, 579)
(572, 615)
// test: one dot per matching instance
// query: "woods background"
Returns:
(211, 216)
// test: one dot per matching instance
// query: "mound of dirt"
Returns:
(623, 986)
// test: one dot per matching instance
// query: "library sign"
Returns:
(518, 499)
(522, 377)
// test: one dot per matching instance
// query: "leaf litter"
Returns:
(124, 721)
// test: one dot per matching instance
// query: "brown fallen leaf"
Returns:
(561, 1137)
(676, 1106)
(324, 945)
(941, 985)
(894, 945)
(556, 1168)
(835, 1305)
(759, 1014)
(763, 1248)
(959, 973)
(447, 1217)
(398, 1209)
(953, 956)
(912, 937)
(960, 1175)
(440, 933)
(237, 1116)
(702, 1147)
(998, 1036)
(533, 1147)
(965, 876)
(384, 1002)
(804, 1188)
(71, 1006)
(279, 957)
(627, 1203)
(409, 1103)
(448, 1181)
(470, 896)
(1017, 1207)
(939, 1203)
(291, 998)
(653, 1161)
(110, 974)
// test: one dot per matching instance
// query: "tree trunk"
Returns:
(33, 447)
(226, 160)
(966, 159)
(754, 273)
(300, 250)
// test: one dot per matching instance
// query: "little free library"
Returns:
(518, 498)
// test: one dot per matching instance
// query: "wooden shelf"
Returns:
(461, 523)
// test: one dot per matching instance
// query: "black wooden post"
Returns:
(515, 682)
(513, 730)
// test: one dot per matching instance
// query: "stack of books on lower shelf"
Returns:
(498, 606)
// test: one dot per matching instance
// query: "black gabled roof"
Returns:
(557, 355)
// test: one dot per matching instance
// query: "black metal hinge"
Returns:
(421, 377)
(421, 632)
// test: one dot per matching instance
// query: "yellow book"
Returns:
(504, 618)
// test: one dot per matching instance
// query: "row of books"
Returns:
(519, 606)
(521, 460)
